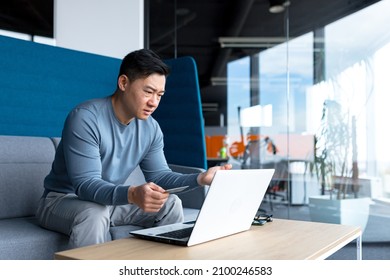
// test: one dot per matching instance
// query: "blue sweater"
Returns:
(97, 153)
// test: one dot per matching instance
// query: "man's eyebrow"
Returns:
(154, 89)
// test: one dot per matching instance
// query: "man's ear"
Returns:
(122, 81)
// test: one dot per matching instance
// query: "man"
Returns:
(103, 140)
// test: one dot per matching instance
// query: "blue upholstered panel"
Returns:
(39, 84)
(180, 115)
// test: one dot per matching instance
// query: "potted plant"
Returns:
(336, 168)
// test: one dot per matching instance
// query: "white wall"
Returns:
(106, 27)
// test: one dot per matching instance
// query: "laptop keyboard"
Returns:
(180, 233)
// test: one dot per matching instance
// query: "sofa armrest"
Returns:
(193, 198)
(185, 169)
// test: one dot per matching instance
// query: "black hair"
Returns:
(141, 64)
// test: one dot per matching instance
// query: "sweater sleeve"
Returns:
(82, 157)
(156, 169)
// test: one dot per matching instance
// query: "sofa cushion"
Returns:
(24, 163)
(24, 239)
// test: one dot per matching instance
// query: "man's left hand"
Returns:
(206, 177)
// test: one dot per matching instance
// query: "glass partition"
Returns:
(326, 135)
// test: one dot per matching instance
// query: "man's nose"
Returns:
(154, 100)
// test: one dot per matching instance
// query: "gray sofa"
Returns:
(24, 162)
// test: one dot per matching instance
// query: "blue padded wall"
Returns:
(180, 115)
(39, 85)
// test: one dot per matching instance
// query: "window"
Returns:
(345, 64)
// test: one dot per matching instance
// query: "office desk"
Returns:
(277, 240)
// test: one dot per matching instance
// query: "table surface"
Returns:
(277, 240)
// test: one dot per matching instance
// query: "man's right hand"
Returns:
(149, 197)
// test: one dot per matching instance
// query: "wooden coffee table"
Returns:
(277, 240)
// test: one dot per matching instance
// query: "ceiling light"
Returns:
(278, 6)
(250, 42)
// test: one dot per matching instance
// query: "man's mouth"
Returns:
(148, 112)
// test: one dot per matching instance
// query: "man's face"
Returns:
(142, 96)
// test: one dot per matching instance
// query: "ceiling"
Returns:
(199, 25)
(33, 17)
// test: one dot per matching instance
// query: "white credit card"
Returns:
(176, 190)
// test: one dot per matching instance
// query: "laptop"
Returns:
(230, 206)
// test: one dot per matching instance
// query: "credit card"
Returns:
(176, 190)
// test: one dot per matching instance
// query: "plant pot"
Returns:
(349, 211)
